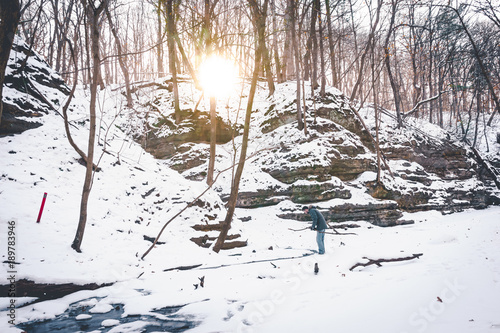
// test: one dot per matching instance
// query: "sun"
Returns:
(217, 76)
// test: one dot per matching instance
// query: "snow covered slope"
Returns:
(268, 286)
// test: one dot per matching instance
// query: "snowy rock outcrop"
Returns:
(166, 139)
(334, 165)
(31, 89)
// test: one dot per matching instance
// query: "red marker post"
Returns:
(41, 207)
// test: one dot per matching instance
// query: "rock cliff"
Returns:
(334, 165)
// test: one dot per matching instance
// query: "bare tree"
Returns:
(122, 59)
(279, 73)
(159, 47)
(480, 62)
(321, 49)
(387, 60)
(172, 58)
(293, 14)
(259, 14)
(94, 14)
(288, 53)
(368, 46)
(207, 27)
(213, 140)
(331, 46)
(311, 56)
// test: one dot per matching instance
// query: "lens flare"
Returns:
(217, 76)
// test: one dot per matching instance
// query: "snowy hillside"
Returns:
(267, 286)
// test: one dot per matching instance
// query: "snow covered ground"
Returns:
(268, 286)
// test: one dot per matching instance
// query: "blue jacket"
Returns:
(319, 222)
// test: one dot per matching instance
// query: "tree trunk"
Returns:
(9, 18)
(260, 18)
(377, 117)
(159, 48)
(321, 51)
(279, 74)
(185, 59)
(478, 110)
(288, 65)
(367, 49)
(331, 44)
(121, 58)
(314, 55)
(213, 140)
(207, 33)
(292, 5)
(172, 58)
(67, 104)
(356, 47)
(417, 90)
(269, 73)
(387, 60)
(94, 14)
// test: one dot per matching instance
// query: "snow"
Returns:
(110, 322)
(453, 287)
(83, 317)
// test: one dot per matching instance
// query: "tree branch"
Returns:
(430, 99)
(378, 261)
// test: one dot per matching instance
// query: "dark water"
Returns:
(66, 322)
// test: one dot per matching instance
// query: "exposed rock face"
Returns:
(335, 163)
(444, 159)
(384, 214)
(334, 152)
(299, 193)
(430, 173)
(11, 122)
(334, 107)
(165, 139)
(28, 79)
(453, 199)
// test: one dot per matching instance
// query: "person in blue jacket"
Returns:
(319, 224)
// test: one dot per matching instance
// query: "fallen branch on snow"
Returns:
(184, 268)
(335, 232)
(379, 261)
(299, 229)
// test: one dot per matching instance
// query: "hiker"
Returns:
(319, 224)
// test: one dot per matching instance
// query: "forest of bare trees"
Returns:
(427, 58)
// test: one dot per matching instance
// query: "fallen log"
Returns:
(204, 241)
(233, 245)
(207, 227)
(379, 261)
(47, 291)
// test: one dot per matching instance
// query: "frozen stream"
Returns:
(78, 319)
